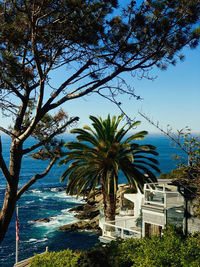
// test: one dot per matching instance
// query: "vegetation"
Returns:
(100, 153)
(93, 47)
(65, 258)
(172, 249)
(179, 173)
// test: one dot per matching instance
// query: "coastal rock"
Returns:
(77, 208)
(89, 211)
(88, 214)
(82, 225)
(46, 220)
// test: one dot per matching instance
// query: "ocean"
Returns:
(47, 199)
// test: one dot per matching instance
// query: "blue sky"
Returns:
(173, 98)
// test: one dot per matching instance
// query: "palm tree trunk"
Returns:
(109, 201)
(110, 208)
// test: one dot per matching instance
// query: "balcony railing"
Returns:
(121, 228)
(162, 195)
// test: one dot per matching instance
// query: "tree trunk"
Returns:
(7, 209)
(109, 201)
(10, 199)
(110, 207)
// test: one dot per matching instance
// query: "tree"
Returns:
(187, 175)
(93, 47)
(100, 153)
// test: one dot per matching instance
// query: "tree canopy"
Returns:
(93, 46)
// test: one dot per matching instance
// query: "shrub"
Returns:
(172, 249)
(190, 251)
(63, 258)
(94, 257)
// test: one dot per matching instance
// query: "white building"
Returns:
(160, 204)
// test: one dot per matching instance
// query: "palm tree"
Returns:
(98, 155)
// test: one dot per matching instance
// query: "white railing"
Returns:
(162, 195)
(114, 231)
(125, 222)
(121, 228)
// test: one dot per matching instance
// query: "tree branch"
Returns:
(3, 166)
(167, 133)
(7, 132)
(60, 89)
(28, 150)
(12, 88)
(34, 179)
(88, 90)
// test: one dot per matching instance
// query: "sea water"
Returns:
(47, 199)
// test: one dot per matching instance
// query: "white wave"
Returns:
(30, 222)
(56, 189)
(69, 198)
(31, 240)
(65, 210)
(28, 202)
(68, 211)
(61, 195)
(55, 193)
(35, 191)
(56, 221)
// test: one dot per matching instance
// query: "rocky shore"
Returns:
(88, 214)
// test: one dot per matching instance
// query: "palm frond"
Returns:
(101, 151)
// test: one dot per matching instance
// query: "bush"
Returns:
(172, 249)
(65, 258)
(190, 251)
(94, 257)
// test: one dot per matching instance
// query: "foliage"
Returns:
(172, 249)
(191, 251)
(94, 257)
(93, 46)
(98, 155)
(65, 258)
(130, 190)
(179, 173)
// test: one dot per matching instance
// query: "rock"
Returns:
(42, 220)
(88, 214)
(89, 211)
(77, 208)
(82, 226)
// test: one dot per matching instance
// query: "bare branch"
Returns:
(167, 133)
(28, 150)
(7, 132)
(34, 179)
(62, 87)
(13, 89)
